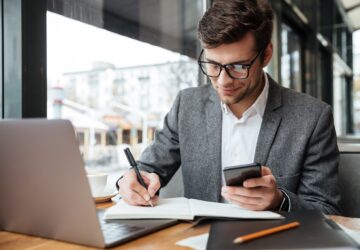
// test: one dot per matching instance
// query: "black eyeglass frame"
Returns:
(225, 66)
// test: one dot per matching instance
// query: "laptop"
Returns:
(44, 189)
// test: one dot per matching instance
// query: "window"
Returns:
(356, 63)
(115, 67)
(290, 58)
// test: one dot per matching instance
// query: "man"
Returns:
(242, 117)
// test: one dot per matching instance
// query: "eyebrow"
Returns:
(247, 61)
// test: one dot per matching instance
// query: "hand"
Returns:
(255, 194)
(134, 193)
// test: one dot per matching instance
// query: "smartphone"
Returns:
(236, 175)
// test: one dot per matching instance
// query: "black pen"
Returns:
(133, 163)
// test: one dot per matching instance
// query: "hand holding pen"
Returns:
(138, 188)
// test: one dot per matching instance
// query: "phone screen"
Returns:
(236, 175)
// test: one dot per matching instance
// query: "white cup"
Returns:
(97, 182)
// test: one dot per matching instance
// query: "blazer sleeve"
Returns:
(162, 156)
(318, 187)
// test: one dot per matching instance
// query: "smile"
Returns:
(228, 91)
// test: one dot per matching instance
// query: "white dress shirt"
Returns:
(239, 136)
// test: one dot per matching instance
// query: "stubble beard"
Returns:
(245, 92)
(233, 100)
(229, 100)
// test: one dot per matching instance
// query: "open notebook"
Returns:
(185, 209)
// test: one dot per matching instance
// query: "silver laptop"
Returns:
(44, 190)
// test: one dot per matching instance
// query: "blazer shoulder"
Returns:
(199, 90)
(302, 101)
(196, 94)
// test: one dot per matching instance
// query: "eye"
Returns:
(238, 67)
(213, 66)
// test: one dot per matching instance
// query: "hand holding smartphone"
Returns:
(236, 175)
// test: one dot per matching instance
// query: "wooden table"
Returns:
(164, 239)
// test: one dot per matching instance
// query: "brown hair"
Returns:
(228, 21)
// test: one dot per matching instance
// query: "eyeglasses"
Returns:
(234, 70)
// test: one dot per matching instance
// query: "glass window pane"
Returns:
(290, 58)
(115, 76)
(356, 70)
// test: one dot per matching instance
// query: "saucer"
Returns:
(106, 196)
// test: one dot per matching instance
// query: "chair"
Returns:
(349, 183)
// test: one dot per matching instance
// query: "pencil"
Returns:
(265, 232)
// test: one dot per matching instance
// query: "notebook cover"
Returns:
(315, 231)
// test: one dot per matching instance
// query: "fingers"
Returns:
(133, 198)
(152, 181)
(255, 194)
(266, 180)
(133, 192)
(130, 196)
(155, 200)
(241, 200)
(233, 190)
(250, 202)
(265, 171)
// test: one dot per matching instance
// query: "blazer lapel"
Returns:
(270, 123)
(213, 115)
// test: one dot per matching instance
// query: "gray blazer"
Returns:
(297, 140)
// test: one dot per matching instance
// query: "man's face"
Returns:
(232, 91)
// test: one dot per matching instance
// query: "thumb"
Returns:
(153, 182)
(265, 171)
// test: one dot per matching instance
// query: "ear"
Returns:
(268, 54)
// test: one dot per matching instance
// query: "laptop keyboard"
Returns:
(115, 231)
(120, 231)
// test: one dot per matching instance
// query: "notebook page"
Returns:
(215, 209)
(172, 208)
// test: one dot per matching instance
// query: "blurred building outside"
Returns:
(114, 108)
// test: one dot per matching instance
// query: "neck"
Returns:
(239, 108)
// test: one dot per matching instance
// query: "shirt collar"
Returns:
(259, 105)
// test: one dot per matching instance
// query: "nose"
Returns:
(224, 79)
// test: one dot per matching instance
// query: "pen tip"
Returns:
(151, 204)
